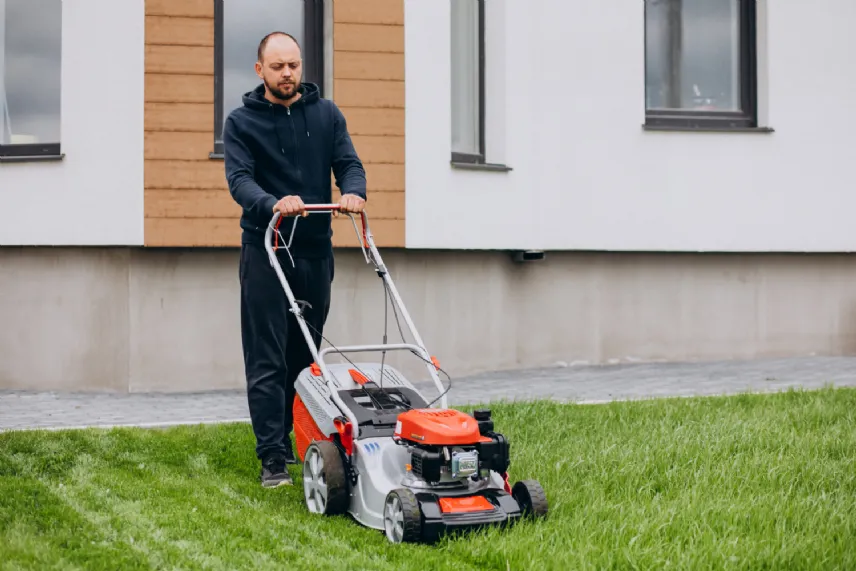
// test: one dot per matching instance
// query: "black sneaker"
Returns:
(274, 473)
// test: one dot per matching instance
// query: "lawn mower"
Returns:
(374, 447)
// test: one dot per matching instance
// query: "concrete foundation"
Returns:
(168, 320)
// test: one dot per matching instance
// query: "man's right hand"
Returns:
(290, 206)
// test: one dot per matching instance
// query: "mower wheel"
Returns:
(402, 519)
(325, 487)
(531, 497)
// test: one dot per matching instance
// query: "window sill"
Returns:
(707, 129)
(31, 158)
(480, 166)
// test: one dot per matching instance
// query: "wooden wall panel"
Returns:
(166, 145)
(368, 38)
(354, 93)
(385, 176)
(178, 175)
(187, 201)
(371, 66)
(224, 232)
(387, 12)
(374, 121)
(192, 232)
(177, 116)
(179, 31)
(191, 8)
(165, 203)
(368, 78)
(177, 88)
(184, 203)
(380, 148)
(180, 59)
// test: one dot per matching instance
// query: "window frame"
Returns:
(23, 152)
(479, 158)
(313, 59)
(747, 118)
(30, 152)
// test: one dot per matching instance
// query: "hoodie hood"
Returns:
(255, 99)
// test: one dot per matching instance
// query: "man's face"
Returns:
(281, 68)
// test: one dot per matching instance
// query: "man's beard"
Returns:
(290, 91)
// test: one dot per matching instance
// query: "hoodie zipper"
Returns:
(294, 138)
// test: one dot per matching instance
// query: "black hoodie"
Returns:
(273, 151)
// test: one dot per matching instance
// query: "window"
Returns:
(30, 78)
(467, 81)
(700, 63)
(239, 27)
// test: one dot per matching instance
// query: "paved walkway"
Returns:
(585, 384)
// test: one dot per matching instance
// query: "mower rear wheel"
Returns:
(531, 497)
(325, 487)
(402, 519)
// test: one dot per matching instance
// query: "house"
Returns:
(549, 181)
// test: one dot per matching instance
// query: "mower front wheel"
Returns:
(402, 519)
(325, 487)
(531, 498)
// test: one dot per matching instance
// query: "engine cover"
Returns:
(438, 427)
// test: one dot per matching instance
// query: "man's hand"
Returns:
(351, 203)
(291, 206)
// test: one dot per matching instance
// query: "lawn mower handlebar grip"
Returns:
(316, 208)
(322, 207)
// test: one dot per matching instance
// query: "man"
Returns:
(280, 148)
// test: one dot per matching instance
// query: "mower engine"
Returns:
(457, 476)
(449, 447)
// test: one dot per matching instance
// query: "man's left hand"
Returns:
(351, 203)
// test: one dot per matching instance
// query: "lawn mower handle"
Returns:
(324, 208)
(373, 257)
(321, 207)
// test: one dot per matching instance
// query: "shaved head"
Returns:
(280, 66)
(263, 44)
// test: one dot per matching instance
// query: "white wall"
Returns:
(95, 195)
(565, 106)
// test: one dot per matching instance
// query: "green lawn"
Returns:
(747, 482)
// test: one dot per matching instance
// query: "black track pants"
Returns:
(275, 350)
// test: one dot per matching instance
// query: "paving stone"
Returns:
(586, 384)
